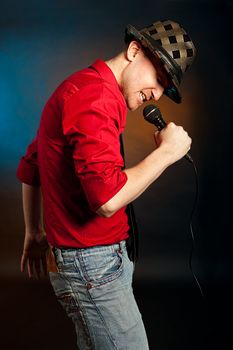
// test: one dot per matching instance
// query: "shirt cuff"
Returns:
(99, 191)
(28, 173)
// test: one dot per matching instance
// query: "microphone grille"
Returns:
(151, 113)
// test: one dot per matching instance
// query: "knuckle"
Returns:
(172, 125)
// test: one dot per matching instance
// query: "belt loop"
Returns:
(120, 246)
(58, 255)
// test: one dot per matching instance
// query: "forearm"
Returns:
(139, 178)
(35, 242)
(32, 208)
(172, 144)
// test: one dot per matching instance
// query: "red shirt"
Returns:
(77, 161)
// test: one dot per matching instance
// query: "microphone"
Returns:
(152, 114)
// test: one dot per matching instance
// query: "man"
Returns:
(76, 166)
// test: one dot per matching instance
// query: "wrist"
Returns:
(33, 231)
(164, 155)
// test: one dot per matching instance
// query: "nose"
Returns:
(157, 93)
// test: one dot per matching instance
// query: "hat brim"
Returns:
(172, 92)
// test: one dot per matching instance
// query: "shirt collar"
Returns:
(107, 75)
(105, 72)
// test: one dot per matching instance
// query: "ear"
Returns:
(133, 50)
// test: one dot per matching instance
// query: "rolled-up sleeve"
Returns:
(28, 170)
(91, 123)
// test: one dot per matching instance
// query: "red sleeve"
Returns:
(91, 122)
(28, 171)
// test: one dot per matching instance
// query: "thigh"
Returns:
(95, 287)
(114, 309)
(72, 299)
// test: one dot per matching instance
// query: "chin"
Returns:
(132, 107)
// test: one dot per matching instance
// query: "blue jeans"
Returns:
(94, 285)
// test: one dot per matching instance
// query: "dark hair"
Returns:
(129, 37)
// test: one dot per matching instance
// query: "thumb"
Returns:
(156, 137)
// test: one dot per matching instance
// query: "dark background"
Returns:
(41, 42)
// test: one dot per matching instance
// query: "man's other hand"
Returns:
(34, 254)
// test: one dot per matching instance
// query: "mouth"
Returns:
(143, 97)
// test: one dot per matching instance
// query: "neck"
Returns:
(117, 65)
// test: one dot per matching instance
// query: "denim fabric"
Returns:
(94, 285)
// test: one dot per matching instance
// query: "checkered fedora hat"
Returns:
(169, 42)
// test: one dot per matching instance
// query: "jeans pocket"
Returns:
(65, 259)
(100, 267)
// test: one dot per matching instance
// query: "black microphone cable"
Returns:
(153, 115)
(191, 227)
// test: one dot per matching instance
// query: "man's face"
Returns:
(141, 81)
